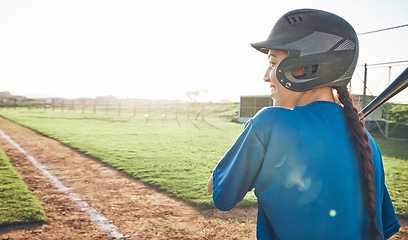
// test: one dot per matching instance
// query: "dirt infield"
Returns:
(134, 209)
(138, 211)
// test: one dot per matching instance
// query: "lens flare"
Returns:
(332, 213)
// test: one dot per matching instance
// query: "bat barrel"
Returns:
(399, 84)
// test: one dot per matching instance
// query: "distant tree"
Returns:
(108, 97)
(399, 113)
(194, 95)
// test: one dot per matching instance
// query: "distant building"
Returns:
(358, 101)
(7, 95)
(250, 105)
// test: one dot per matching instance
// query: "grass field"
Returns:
(177, 155)
(17, 204)
(395, 158)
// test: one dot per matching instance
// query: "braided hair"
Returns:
(360, 140)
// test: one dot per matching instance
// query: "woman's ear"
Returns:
(300, 72)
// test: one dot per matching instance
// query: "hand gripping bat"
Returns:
(399, 84)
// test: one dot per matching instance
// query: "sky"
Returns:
(163, 49)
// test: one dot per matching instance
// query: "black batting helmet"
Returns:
(321, 41)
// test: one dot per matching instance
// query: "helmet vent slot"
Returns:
(292, 20)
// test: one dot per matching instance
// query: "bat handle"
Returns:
(399, 84)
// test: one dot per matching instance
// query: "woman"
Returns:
(316, 171)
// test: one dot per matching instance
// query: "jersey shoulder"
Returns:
(274, 115)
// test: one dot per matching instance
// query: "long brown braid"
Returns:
(360, 140)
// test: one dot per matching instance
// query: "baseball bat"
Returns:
(399, 84)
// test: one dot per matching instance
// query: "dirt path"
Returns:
(138, 211)
(134, 209)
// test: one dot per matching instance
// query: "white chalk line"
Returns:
(97, 219)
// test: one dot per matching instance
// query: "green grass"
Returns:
(17, 204)
(173, 155)
(178, 155)
(398, 130)
(395, 158)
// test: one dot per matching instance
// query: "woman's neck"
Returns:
(318, 94)
(304, 98)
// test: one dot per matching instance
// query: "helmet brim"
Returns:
(265, 46)
(260, 46)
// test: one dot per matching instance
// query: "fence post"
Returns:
(202, 111)
(94, 106)
(176, 109)
(387, 120)
(119, 107)
(134, 108)
(365, 85)
(83, 107)
(165, 108)
(150, 107)
(72, 107)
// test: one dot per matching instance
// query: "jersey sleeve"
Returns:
(236, 172)
(389, 219)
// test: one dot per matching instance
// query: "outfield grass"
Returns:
(173, 155)
(17, 204)
(177, 156)
(395, 158)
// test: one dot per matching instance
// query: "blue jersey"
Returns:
(303, 166)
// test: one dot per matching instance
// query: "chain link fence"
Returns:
(171, 109)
